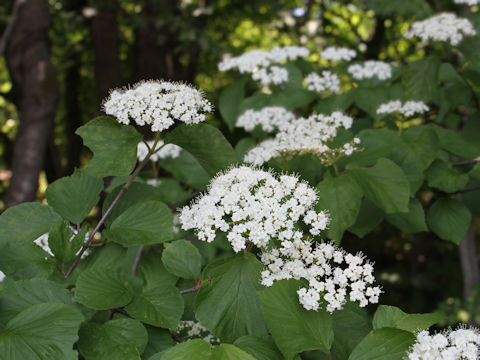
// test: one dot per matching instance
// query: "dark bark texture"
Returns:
(35, 92)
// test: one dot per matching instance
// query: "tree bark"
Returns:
(35, 92)
(106, 46)
(469, 262)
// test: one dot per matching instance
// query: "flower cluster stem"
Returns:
(122, 191)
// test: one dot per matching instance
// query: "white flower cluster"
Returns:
(463, 343)
(253, 205)
(441, 27)
(371, 69)
(167, 151)
(258, 63)
(327, 82)
(333, 275)
(188, 329)
(333, 53)
(158, 104)
(270, 118)
(467, 2)
(271, 75)
(305, 136)
(410, 108)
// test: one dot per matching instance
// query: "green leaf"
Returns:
(96, 339)
(103, 289)
(230, 352)
(158, 340)
(137, 192)
(196, 349)
(41, 332)
(384, 344)
(186, 169)
(25, 260)
(153, 272)
(342, 197)
(158, 305)
(293, 328)
(420, 79)
(144, 223)
(449, 219)
(333, 103)
(182, 259)
(475, 172)
(374, 144)
(350, 326)
(260, 347)
(227, 303)
(255, 102)
(170, 191)
(393, 317)
(293, 99)
(59, 242)
(229, 102)
(385, 184)
(369, 217)
(412, 221)
(453, 143)
(369, 99)
(206, 143)
(125, 351)
(74, 197)
(20, 295)
(39, 218)
(442, 175)
(114, 146)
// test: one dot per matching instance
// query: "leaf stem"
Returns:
(137, 259)
(122, 191)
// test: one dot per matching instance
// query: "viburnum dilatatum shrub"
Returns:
(207, 249)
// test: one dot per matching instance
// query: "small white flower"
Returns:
(462, 343)
(239, 202)
(467, 2)
(271, 75)
(330, 275)
(371, 69)
(167, 151)
(408, 109)
(441, 27)
(333, 53)
(327, 82)
(270, 118)
(188, 329)
(158, 104)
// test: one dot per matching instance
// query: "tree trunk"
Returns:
(469, 262)
(36, 95)
(106, 46)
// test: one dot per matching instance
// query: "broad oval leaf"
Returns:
(206, 143)
(420, 79)
(391, 316)
(385, 184)
(260, 347)
(125, 351)
(39, 218)
(144, 223)
(229, 102)
(230, 352)
(103, 288)
(158, 305)
(20, 295)
(383, 344)
(98, 339)
(412, 221)
(114, 146)
(41, 332)
(449, 219)
(73, 197)
(227, 303)
(196, 349)
(342, 197)
(182, 259)
(293, 328)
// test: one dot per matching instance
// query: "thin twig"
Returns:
(9, 29)
(187, 291)
(188, 198)
(468, 162)
(467, 190)
(137, 259)
(109, 210)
